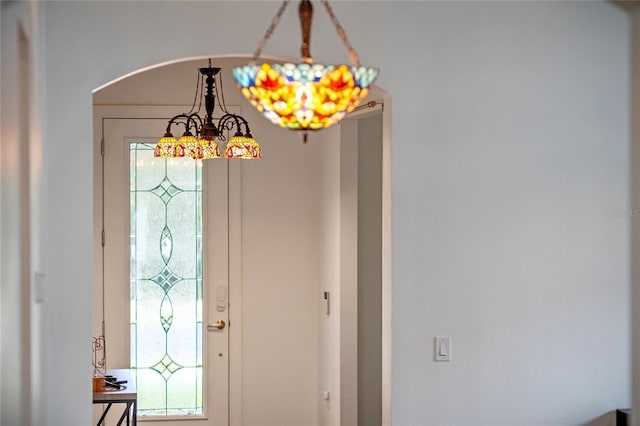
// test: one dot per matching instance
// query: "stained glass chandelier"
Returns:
(200, 134)
(305, 96)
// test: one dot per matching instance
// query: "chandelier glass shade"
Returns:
(244, 147)
(305, 96)
(168, 147)
(200, 133)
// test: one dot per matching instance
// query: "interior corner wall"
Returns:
(14, 306)
(350, 337)
(349, 250)
(369, 275)
(509, 184)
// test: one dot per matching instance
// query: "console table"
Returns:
(127, 395)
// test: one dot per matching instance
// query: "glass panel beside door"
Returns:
(166, 282)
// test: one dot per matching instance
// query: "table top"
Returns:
(128, 393)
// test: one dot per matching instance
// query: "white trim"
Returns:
(635, 204)
(235, 292)
(145, 111)
(387, 277)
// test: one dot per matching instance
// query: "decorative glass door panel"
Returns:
(166, 282)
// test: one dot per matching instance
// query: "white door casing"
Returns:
(121, 127)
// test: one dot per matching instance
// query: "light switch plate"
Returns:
(442, 348)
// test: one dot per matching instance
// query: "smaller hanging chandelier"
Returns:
(200, 134)
(305, 96)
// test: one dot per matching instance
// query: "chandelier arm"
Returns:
(192, 119)
(227, 121)
(222, 126)
(244, 121)
(169, 123)
(247, 130)
(269, 32)
(238, 129)
(353, 55)
(174, 120)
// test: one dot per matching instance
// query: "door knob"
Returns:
(218, 324)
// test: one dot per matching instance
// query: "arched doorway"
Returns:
(282, 344)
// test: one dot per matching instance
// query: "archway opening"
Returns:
(283, 251)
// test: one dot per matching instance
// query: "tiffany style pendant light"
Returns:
(305, 96)
(200, 134)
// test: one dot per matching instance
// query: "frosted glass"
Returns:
(182, 336)
(146, 232)
(150, 337)
(181, 173)
(182, 393)
(180, 218)
(166, 282)
(151, 389)
(153, 174)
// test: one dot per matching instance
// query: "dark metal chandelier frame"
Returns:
(199, 138)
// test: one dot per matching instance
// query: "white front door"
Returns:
(165, 274)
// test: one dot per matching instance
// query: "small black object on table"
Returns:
(119, 389)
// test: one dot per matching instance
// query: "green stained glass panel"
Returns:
(166, 282)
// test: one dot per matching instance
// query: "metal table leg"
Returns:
(104, 414)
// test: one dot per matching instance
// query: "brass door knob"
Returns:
(218, 325)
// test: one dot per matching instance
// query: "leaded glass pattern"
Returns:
(304, 96)
(166, 282)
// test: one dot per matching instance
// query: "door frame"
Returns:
(101, 113)
(348, 377)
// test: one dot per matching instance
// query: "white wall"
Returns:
(503, 236)
(22, 209)
(329, 279)
(280, 300)
(279, 272)
(510, 142)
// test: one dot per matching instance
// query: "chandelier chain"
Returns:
(353, 55)
(195, 97)
(269, 32)
(223, 105)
